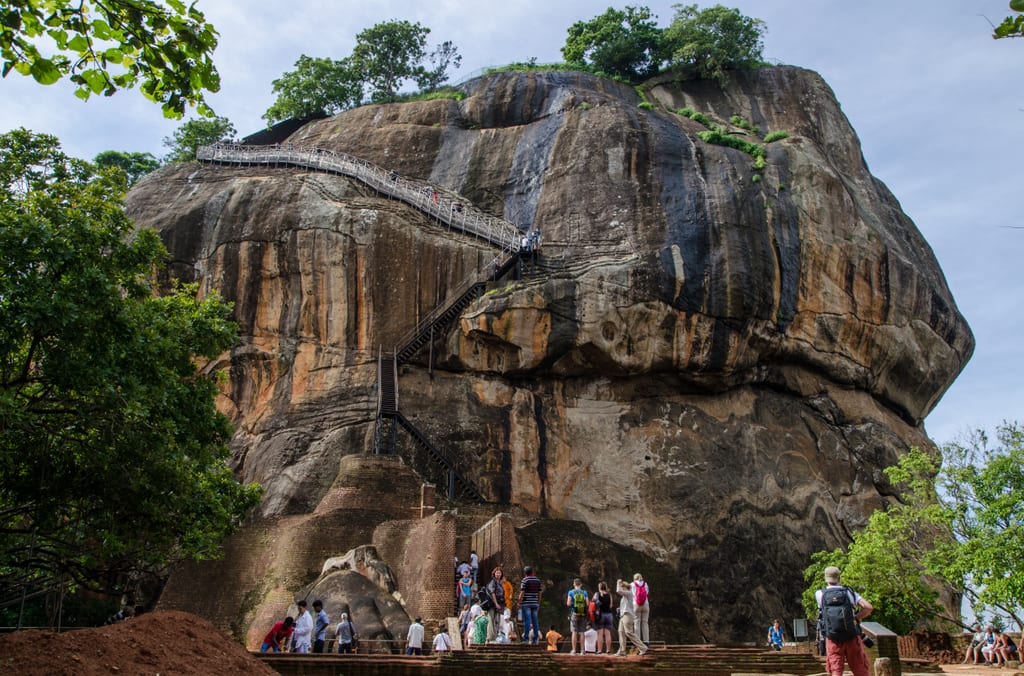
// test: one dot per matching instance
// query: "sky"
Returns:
(936, 102)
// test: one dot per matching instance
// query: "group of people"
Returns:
(308, 633)
(486, 612)
(591, 620)
(992, 646)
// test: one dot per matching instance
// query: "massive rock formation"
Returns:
(710, 364)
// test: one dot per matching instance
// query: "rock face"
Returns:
(709, 364)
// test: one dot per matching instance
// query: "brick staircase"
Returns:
(516, 660)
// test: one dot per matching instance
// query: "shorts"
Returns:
(577, 623)
(605, 621)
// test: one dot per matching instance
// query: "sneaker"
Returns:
(620, 654)
(572, 652)
(642, 652)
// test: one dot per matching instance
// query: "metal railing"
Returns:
(456, 213)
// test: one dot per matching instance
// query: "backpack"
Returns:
(483, 597)
(579, 603)
(837, 614)
(641, 593)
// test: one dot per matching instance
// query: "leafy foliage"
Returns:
(386, 56)
(112, 454)
(444, 56)
(315, 87)
(959, 529)
(1011, 26)
(625, 43)
(709, 43)
(775, 136)
(107, 45)
(134, 165)
(187, 138)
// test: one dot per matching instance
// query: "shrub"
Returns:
(776, 136)
(646, 105)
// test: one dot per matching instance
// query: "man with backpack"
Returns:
(840, 610)
(576, 601)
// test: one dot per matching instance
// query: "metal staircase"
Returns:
(458, 214)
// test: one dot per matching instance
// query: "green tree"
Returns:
(134, 165)
(187, 138)
(444, 56)
(958, 529)
(315, 87)
(387, 54)
(625, 43)
(107, 45)
(892, 561)
(708, 43)
(1011, 26)
(112, 454)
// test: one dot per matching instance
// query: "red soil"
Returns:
(164, 643)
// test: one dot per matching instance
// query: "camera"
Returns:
(868, 641)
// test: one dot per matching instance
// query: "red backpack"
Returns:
(640, 589)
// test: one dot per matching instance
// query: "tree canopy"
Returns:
(625, 43)
(187, 138)
(386, 57)
(959, 529)
(112, 454)
(163, 47)
(315, 87)
(134, 165)
(710, 42)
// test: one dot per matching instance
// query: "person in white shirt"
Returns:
(302, 637)
(590, 640)
(626, 632)
(414, 639)
(442, 642)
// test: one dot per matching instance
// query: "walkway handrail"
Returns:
(458, 214)
(497, 263)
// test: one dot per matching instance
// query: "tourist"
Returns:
(464, 590)
(474, 564)
(463, 619)
(576, 602)
(506, 587)
(776, 635)
(278, 634)
(530, 590)
(414, 638)
(974, 647)
(590, 640)
(850, 650)
(346, 635)
(496, 592)
(627, 633)
(303, 634)
(642, 608)
(123, 615)
(1005, 649)
(553, 637)
(320, 626)
(604, 618)
(480, 628)
(987, 645)
(442, 642)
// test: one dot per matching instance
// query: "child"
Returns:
(590, 640)
(552, 637)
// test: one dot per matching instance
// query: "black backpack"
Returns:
(483, 597)
(838, 623)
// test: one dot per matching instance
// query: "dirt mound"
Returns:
(165, 642)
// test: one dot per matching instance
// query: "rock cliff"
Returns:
(709, 363)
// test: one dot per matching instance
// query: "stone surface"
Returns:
(709, 365)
